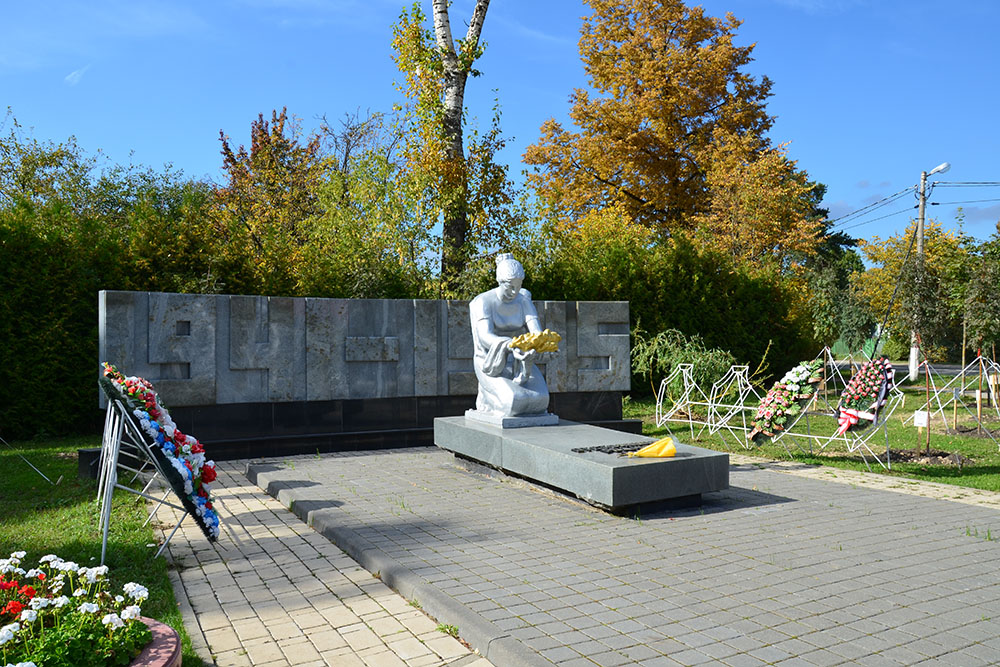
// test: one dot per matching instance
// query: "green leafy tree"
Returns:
(922, 303)
(876, 286)
(454, 179)
(669, 285)
(67, 231)
(367, 242)
(38, 173)
(982, 299)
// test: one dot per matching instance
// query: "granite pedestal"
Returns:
(544, 454)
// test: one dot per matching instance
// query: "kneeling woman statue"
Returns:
(510, 385)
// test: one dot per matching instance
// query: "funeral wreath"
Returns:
(786, 400)
(180, 456)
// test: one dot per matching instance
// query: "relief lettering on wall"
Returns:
(220, 349)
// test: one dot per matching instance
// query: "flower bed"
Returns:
(181, 457)
(786, 399)
(62, 615)
(864, 395)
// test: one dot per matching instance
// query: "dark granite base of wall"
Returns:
(281, 429)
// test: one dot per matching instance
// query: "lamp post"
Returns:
(921, 206)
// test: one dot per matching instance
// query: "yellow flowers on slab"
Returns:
(546, 341)
(662, 448)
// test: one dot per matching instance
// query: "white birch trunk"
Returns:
(456, 73)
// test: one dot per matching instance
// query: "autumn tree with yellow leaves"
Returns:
(759, 206)
(667, 79)
(454, 176)
(262, 211)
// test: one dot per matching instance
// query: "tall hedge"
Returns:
(675, 284)
(48, 325)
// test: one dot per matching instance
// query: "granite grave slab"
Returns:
(545, 454)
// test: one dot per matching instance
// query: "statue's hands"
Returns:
(527, 357)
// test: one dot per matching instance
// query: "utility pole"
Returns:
(921, 206)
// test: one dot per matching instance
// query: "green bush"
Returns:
(655, 357)
(674, 285)
(896, 348)
(48, 325)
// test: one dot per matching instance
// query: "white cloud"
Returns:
(982, 213)
(52, 34)
(74, 77)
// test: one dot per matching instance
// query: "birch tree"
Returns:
(436, 68)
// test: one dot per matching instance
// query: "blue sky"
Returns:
(869, 93)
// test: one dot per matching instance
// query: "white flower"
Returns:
(79, 593)
(66, 566)
(135, 591)
(119, 599)
(38, 602)
(89, 608)
(131, 613)
(25, 664)
(19, 555)
(93, 573)
(113, 621)
(34, 572)
(7, 633)
(29, 615)
(60, 602)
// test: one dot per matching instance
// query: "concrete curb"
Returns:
(188, 616)
(492, 643)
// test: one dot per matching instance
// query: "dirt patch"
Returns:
(973, 431)
(935, 457)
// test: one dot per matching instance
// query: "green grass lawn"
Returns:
(40, 518)
(981, 471)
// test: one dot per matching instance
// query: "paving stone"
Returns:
(800, 567)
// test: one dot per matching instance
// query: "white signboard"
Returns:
(921, 418)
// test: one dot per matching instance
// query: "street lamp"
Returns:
(921, 205)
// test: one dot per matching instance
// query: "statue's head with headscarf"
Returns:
(510, 274)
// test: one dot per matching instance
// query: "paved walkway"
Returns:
(274, 592)
(792, 565)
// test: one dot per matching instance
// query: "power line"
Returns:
(970, 201)
(887, 215)
(871, 207)
(885, 201)
(967, 184)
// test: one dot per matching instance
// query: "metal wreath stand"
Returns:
(119, 427)
(731, 415)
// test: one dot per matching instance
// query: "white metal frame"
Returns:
(120, 427)
(731, 416)
(957, 389)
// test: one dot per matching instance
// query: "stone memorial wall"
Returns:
(310, 372)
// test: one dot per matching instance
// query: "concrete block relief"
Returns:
(220, 349)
